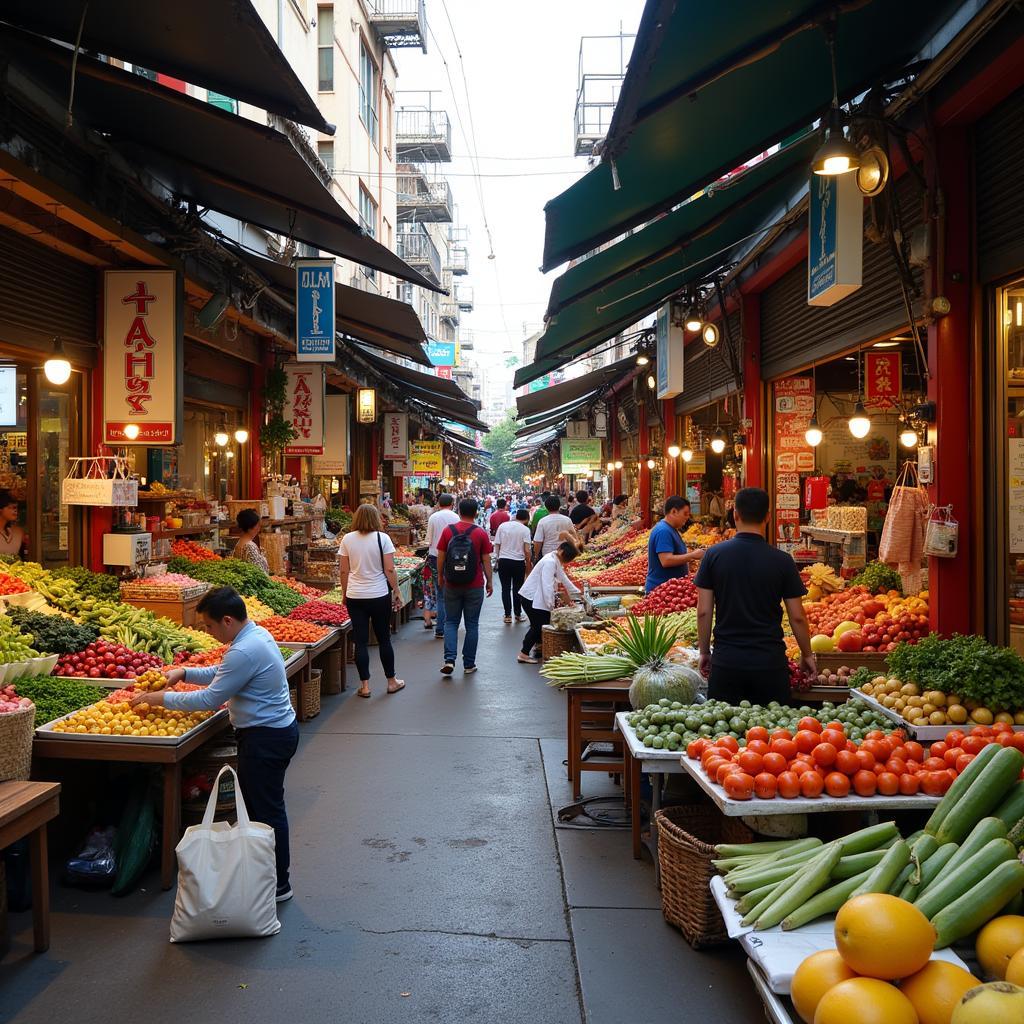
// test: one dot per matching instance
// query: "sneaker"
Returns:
(520, 618)
(447, 668)
(508, 618)
(284, 893)
(439, 636)
(469, 670)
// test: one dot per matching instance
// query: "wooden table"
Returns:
(168, 755)
(25, 808)
(591, 719)
(311, 653)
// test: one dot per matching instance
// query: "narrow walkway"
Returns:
(431, 885)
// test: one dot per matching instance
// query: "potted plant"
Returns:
(276, 431)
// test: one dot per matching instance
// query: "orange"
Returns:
(997, 942)
(882, 936)
(936, 990)
(866, 1001)
(1015, 968)
(814, 977)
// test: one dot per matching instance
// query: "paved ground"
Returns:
(432, 884)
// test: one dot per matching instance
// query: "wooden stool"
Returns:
(591, 719)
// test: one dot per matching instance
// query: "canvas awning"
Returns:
(573, 392)
(222, 45)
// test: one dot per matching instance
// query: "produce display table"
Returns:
(182, 611)
(329, 655)
(25, 808)
(591, 719)
(310, 653)
(168, 755)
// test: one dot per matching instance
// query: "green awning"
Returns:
(572, 393)
(717, 88)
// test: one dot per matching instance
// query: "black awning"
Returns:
(199, 152)
(556, 395)
(220, 44)
(427, 382)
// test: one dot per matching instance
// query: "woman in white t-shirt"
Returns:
(370, 585)
(539, 595)
(512, 548)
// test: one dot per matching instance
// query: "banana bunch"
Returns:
(824, 577)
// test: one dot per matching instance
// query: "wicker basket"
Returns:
(16, 731)
(311, 694)
(236, 506)
(686, 838)
(556, 641)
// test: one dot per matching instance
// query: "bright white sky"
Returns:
(520, 63)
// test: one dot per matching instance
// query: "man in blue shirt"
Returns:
(252, 680)
(667, 557)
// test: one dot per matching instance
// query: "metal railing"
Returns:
(417, 190)
(400, 22)
(449, 310)
(464, 297)
(416, 126)
(417, 248)
(458, 260)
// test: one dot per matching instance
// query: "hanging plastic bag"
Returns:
(227, 876)
(902, 541)
(942, 535)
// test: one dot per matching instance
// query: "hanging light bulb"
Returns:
(241, 435)
(687, 454)
(618, 463)
(131, 431)
(908, 435)
(837, 155)
(718, 441)
(693, 321)
(709, 335)
(651, 382)
(673, 451)
(651, 463)
(230, 455)
(610, 466)
(813, 435)
(220, 439)
(859, 422)
(642, 359)
(57, 369)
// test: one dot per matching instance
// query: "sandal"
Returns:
(525, 660)
(400, 686)
(363, 693)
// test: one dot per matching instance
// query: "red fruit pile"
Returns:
(103, 659)
(300, 588)
(676, 595)
(323, 613)
(12, 585)
(192, 551)
(214, 656)
(630, 574)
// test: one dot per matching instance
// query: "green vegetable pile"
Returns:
(966, 665)
(281, 598)
(878, 577)
(53, 634)
(247, 579)
(14, 645)
(55, 698)
(90, 584)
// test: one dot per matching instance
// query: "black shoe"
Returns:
(447, 668)
(469, 670)
(439, 636)
(284, 893)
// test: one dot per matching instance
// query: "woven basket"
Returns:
(237, 505)
(311, 693)
(556, 641)
(686, 838)
(16, 731)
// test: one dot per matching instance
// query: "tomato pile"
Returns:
(322, 612)
(820, 759)
(12, 585)
(103, 659)
(884, 620)
(201, 659)
(632, 573)
(287, 631)
(192, 551)
(678, 595)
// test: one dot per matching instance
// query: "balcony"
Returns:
(464, 298)
(601, 69)
(450, 311)
(423, 197)
(416, 247)
(399, 22)
(458, 260)
(466, 341)
(423, 135)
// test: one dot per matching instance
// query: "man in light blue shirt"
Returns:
(252, 680)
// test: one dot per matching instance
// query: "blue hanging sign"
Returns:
(314, 310)
(835, 238)
(441, 353)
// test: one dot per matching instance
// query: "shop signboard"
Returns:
(698, 465)
(396, 435)
(540, 383)
(669, 341)
(8, 396)
(441, 353)
(581, 452)
(444, 372)
(304, 407)
(835, 238)
(314, 310)
(883, 379)
(600, 421)
(794, 457)
(143, 356)
(369, 487)
(334, 461)
(427, 458)
(401, 467)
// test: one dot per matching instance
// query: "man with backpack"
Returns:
(463, 562)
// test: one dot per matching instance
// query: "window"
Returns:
(368, 222)
(368, 75)
(325, 150)
(325, 48)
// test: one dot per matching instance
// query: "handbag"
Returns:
(380, 548)
(227, 876)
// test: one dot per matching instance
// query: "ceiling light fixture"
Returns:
(673, 451)
(651, 382)
(241, 435)
(651, 463)
(813, 436)
(709, 335)
(57, 368)
(718, 441)
(837, 154)
(618, 463)
(220, 439)
(642, 359)
(687, 454)
(908, 436)
(860, 424)
(693, 321)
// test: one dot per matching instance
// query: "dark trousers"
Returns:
(263, 757)
(362, 611)
(511, 573)
(759, 686)
(538, 619)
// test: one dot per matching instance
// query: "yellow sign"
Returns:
(426, 458)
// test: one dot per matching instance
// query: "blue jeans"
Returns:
(438, 596)
(459, 602)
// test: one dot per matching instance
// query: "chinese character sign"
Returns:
(314, 311)
(304, 406)
(142, 356)
(883, 379)
(794, 457)
(396, 435)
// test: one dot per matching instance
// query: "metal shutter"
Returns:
(999, 185)
(695, 370)
(794, 334)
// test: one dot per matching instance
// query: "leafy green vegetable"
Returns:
(860, 677)
(878, 577)
(53, 634)
(55, 698)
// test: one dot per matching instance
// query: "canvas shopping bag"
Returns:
(227, 877)
(902, 540)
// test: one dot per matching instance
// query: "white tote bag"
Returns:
(227, 877)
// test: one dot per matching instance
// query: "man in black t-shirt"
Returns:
(742, 585)
(583, 516)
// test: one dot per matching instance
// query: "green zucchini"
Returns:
(978, 905)
(959, 787)
(983, 796)
(883, 876)
(812, 879)
(747, 883)
(773, 847)
(930, 870)
(1011, 810)
(870, 838)
(953, 884)
(828, 901)
(919, 853)
(749, 900)
(902, 880)
(761, 871)
(984, 832)
(856, 864)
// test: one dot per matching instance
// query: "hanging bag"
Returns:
(227, 876)
(903, 534)
(941, 538)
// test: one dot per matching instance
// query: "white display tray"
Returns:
(30, 668)
(917, 732)
(46, 732)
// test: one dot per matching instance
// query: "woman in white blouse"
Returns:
(539, 595)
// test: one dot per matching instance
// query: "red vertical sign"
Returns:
(883, 379)
(794, 457)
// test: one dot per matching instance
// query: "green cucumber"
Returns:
(856, 864)
(811, 880)
(953, 884)
(772, 847)
(919, 853)
(747, 883)
(985, 794)
(749, 900)
(762, 871)
(828, 901)
(984, 832)
(883, 876)
(959, 787)
(870, 838)
(902, 880)
(930, 870)
(978, 905)
(1011, 810)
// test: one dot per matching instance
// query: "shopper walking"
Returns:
(548, 533)
(370, 585)
(512, 548)
(498, 516)
(539, 595)
(667, 557)
(251, 678)
(464, 563)
(436, 524)
(541, 511)
(742, 585)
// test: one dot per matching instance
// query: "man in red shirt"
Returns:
(498, 517)
(463, 561)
